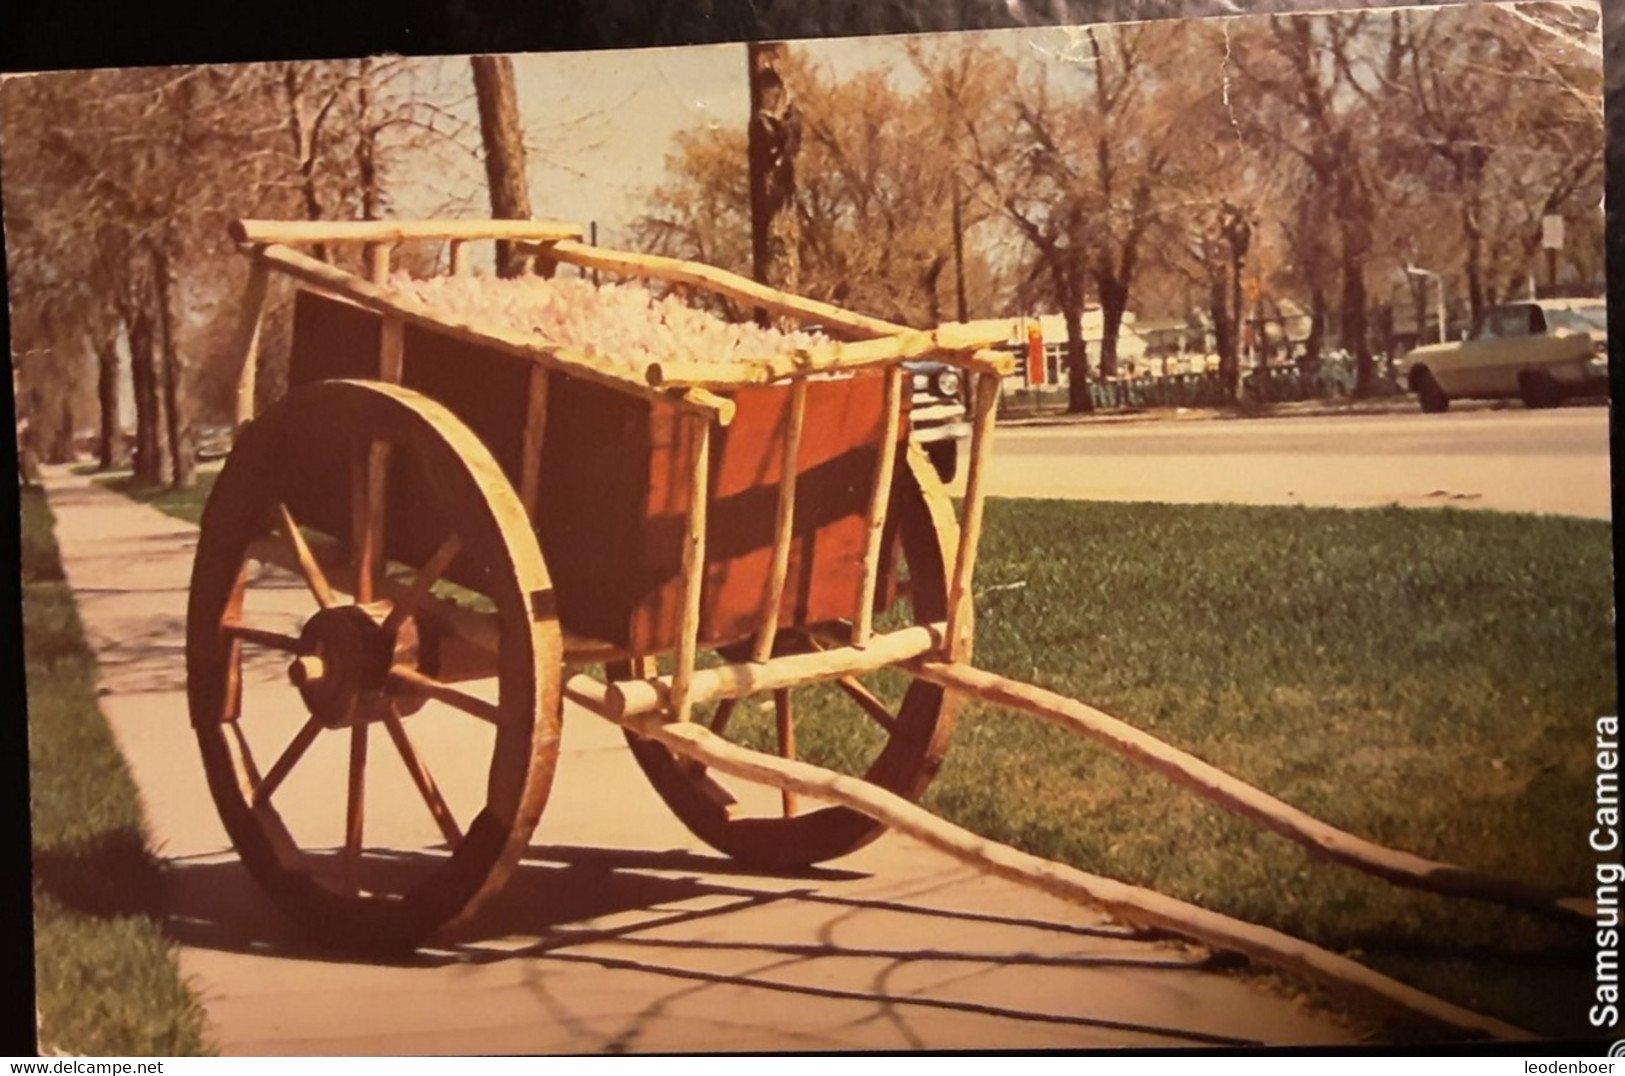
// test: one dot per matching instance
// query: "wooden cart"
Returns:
(463, 503)
(445, 529)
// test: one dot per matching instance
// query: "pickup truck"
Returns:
(1541, 351)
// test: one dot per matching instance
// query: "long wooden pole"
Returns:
(1240, 798)
(688, 631)
(530, 458)
(986, 402)
(265, 232)
(879, 504)
(783, 522)
(247, 344)
(835, 320)
(946, 344)
(1129, 903)
(631, 698)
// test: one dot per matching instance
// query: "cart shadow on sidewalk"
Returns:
(694, 920)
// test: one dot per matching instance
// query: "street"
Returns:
(1509, 460)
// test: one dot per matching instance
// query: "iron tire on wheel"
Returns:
(913, 749)
(352, 667)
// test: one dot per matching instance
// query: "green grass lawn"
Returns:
(1425, 678)
(107, 981)
(1429, 679)
(184, 504)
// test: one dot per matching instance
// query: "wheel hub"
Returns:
(342, 672)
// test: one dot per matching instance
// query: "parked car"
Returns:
(1541, 351)
(937, 414)
(214, 443)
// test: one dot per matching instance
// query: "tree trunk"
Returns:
(180, 453)
(111, 433)
(774, 138)
(366, 144)
(1113, 304)
(1354, 325)
(1224, 336)
(1475, 257)
(504, 150)
(62, 444)
(1230, 347)
(1078, 399)
(1316, 343)
(143, 372)
(305, 150)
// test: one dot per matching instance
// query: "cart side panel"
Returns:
(614, 484)
(844, 423)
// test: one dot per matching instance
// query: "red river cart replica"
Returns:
(450, 516)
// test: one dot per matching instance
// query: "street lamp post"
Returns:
(1415, 271)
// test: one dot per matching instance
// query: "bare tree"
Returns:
(504, 149)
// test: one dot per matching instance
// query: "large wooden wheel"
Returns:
(886, 727)
(351, 528)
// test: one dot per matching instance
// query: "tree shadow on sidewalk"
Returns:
(692, 921)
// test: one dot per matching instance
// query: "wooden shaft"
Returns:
(1127, 902)
(246, 346)
(969, 354)
(879, 503)
(986, 403)
(263, 232)
(784, 521)
(632, 698)
(530, 451)
(460, 262)
(378, 263)
(1240, 798)
(384, 301)
(688, 631)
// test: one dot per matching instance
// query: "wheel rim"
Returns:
(332, 530)
(886, 727)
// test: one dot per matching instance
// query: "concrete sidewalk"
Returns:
(620, 932)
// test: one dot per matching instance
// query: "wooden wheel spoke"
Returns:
(315, 579)
(354, 814)
(426, 578)
(250, 770)
(271, 640)
(408, 677)
(869, 702)
(784, 713)
(369, 467)
(286, 761)
(422, 779)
